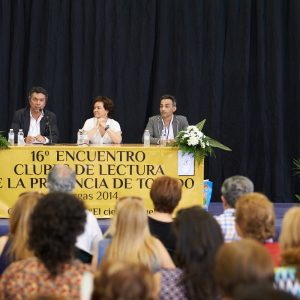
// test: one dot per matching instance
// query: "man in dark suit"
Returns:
(166, 122)
(39, 125)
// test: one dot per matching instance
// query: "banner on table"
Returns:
(103, 174)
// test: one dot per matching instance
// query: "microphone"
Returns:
(47, 126)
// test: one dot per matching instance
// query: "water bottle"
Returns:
(146, 138)
(80, 137)
(21, 137)
(163, 138)
(11, 137)
(85, 137)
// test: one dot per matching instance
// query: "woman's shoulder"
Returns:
(170, 273)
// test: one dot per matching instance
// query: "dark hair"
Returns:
(123, 280)
(199, 237)
(165, 193)
(234, 187)
(108, 104)
(168, 97)
(56, 221)
(39, 90)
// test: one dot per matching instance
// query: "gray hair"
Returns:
(61, 178)
(234, 187)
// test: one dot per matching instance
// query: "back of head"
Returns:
(199, 237)
(123, 280)
(290, 230)
(61, 178)
(131, 238)
(131, 218)
(19, 224)
(290, 237)
(165, 193)
(255, 217)
(240, 263)
(55, 223)
(234, 187)
(260, 291)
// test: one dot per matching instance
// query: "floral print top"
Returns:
(30, 277)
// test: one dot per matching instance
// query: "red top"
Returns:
(274, 251)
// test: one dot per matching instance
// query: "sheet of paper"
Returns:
(186, 164)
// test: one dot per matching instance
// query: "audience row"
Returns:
(155, 257)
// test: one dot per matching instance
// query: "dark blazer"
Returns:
(155, 126)
(21, 120)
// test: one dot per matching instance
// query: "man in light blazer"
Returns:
(166, 122)
(39, 125)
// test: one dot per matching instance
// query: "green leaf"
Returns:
(3, 142)
(217, 144)
(298, 197)
(200, 125)
(297, 166)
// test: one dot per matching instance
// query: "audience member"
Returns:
(241, 263)
(166, 122)
(56, 221)
(62, 178)
(199, 237)
(260, 291)
(131, 240)
(255, 218)
(14, 246)
(165, 194)
(232, 188)
(101, 129)
(287, 276)
(126, 281)
(39, 125)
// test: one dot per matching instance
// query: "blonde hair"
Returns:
(19, 225)
(132, 241)
(290, 237)
(255, 216)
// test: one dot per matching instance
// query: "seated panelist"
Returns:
(166, 122)
(101, 129)
(39, 125)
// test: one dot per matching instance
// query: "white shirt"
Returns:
(169, 130)
(34, 127)
(97, 138)
(92, 234)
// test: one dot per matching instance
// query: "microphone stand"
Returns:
(48, 125)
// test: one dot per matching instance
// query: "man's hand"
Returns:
(29, 139)
(40, 139)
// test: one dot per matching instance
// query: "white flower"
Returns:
(193, 141)
(192, 128)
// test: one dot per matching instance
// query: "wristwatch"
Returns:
(106, 127)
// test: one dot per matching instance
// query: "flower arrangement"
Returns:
(193, 140)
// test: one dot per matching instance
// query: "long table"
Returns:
(103, 173)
